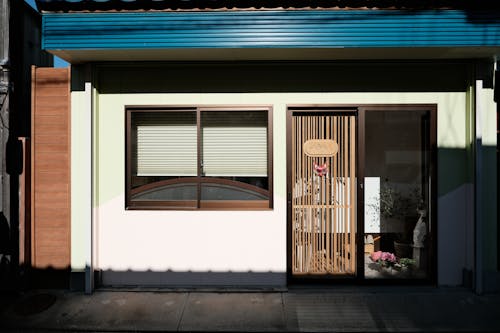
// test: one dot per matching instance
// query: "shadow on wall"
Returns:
(254, 77)
(5, 251)
(44, 278)
(455, 224)
(455, 227)
(64, 279)
(191, 279)
(454, 169)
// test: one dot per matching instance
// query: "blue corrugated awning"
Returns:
(98, 5)
(157, 35)
(270, 29)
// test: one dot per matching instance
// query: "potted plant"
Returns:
(383, 259)
(406, 262)
(388, 264)
(399, 209)
(405, 266)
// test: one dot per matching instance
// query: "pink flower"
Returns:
(387, 256)
(375, 256)
(383, 258)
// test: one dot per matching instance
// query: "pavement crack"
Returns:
(283, 312)
(182, 312)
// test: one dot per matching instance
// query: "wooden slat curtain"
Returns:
(324, 205)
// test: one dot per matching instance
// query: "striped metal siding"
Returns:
(274, 29)
(90, 5)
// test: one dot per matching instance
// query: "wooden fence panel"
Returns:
(50, 169)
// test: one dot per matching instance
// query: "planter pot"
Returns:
(405, 272)
(398, 273)
(403, 250)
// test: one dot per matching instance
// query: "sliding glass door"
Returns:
(398, 210)
(361, 192)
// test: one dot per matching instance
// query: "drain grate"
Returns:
(35, 304)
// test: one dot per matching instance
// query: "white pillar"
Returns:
(81, 177)
(89, 262)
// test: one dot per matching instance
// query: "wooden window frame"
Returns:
(197, 204)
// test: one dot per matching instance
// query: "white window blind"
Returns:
(166, 143)
(234, 144)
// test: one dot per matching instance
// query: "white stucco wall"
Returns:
(230, 241)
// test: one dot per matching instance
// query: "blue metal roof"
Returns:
(84, 5)
(270, 29)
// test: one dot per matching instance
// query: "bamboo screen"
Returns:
(324, 199)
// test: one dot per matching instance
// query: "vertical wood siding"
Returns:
(324, 202)
(50, 165)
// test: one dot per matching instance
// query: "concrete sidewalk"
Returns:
(334, 309)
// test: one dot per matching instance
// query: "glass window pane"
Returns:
(234, 144)
(397, 194)
(164, 156)
(165, 143)
(177, 192)
(234, 155)
(179, 157)
(213, 191)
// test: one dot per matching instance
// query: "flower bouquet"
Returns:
(389, 264)
(384, 259)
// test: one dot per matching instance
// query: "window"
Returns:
(198, 157)
(398, 205)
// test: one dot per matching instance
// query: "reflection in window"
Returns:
(397, 194)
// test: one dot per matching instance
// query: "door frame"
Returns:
(315, 109)
(360, 111)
